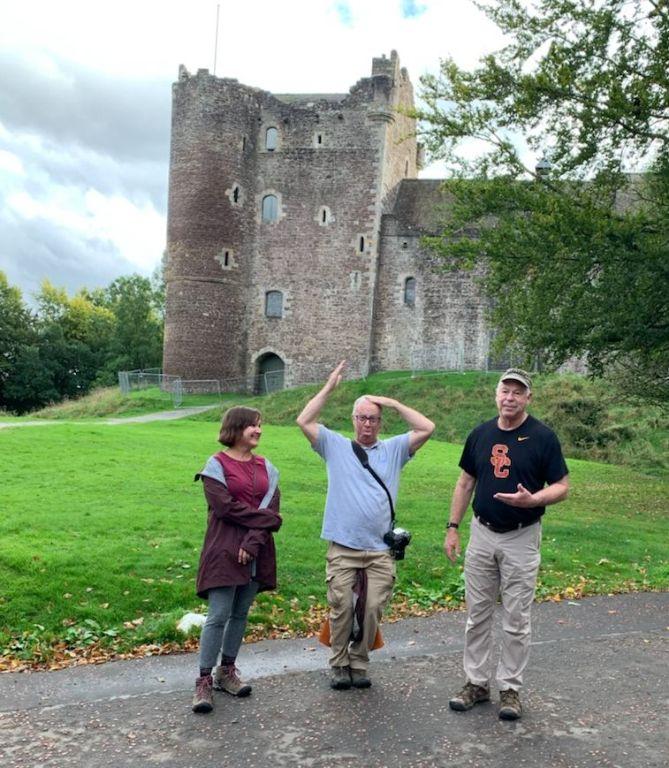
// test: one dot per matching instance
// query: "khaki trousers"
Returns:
(340, 573)
(503, 564)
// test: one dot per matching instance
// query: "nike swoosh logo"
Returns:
(520, 439)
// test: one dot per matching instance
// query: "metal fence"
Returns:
(179, 389)
(145, 379)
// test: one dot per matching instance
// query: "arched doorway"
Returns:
(270, 368)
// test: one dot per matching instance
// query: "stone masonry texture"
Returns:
(349, 213)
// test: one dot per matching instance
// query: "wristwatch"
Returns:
(452, 525)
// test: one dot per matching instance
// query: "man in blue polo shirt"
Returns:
(357, 515)
(513, 465)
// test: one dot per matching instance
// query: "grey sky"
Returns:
(85, 106)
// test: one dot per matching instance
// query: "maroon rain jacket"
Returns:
(231, 525)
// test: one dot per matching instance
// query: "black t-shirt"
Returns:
(500, 459)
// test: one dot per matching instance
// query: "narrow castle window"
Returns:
(410, 291)
(324, 216)
(274, 304)
(361, 244)
(226, 258)
(271, 139)
(270, 208)
(406, 168)
(243, 143)
(235, 195)
(319, 138)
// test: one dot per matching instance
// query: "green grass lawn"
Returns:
(102, 526)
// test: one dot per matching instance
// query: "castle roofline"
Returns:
(293, 98)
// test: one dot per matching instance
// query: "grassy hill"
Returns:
(592, 420)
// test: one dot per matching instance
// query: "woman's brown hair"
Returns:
(235, 421)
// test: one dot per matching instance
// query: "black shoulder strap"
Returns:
(361, 453)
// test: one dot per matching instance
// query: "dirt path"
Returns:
(181, 413)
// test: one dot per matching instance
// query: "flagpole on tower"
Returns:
(218, 10)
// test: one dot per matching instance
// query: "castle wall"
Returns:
(319, 266)
(445, 327)
(341, 170)
(211, 230)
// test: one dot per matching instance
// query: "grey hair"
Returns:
(359, 400)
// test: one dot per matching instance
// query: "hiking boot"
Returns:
(509, 705)
(359, 678)
(341, 678)
(226, 678)
(203, 700)
(471, 694)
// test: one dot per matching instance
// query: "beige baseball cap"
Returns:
(517, 374)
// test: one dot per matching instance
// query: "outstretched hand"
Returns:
(334, 379)
(521, 498)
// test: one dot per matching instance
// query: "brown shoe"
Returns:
(341, 678)
(227, 679)
(359, 678)
(471, 694)
(203, 700)
(509, 705)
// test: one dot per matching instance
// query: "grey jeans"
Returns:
(223, 630)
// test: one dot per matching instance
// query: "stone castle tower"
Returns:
(293, 236)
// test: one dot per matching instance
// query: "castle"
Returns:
(294, 229)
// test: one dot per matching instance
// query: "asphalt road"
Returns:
(596, 695)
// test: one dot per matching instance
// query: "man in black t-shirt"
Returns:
(513, 465)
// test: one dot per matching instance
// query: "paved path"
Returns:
(181, 413)
(596, 697)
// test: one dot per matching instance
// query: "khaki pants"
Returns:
(503, 564)
(342, 566)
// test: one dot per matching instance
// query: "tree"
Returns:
(575, 250)
(138, 339)
(17, 333)
(76, 337)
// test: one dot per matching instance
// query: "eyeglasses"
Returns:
(369, 419)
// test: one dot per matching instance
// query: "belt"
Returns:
(506, 529)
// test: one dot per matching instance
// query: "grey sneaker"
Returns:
(227, 679)
(341, 678)
(471, 694)
(359, 678)
(509, 705)
(203, 700)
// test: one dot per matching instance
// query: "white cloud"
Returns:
(85, 94)
(11, 163)
(137, 231)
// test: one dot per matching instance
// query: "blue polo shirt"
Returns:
(357, 512)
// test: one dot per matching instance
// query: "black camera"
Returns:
(397, 540)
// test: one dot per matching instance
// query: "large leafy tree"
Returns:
(575, 250)
(17, 334)
(73, 343)
(136, 305)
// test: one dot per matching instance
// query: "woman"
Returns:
(238, 558)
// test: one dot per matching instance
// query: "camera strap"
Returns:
(361, 453)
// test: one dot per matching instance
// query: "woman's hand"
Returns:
(244, 557)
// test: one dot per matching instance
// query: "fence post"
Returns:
(124, 382)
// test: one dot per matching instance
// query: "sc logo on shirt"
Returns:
(500, 460)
